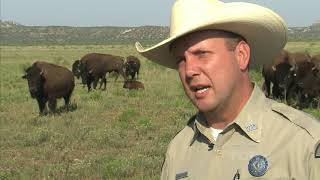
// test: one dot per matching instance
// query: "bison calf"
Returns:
(133, 85)
(47, 82)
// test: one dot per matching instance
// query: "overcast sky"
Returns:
(132, 12)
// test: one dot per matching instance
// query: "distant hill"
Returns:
(16, 34)
(311, 33)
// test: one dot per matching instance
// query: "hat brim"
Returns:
(265, 32)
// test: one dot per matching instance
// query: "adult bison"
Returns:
(281, 73)
(95, 66)
(284, 79)
(275, 73)
(47, 82)
(132, 67)
(307, 83)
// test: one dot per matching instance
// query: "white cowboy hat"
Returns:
(263, 29)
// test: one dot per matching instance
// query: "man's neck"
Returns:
(227, 112)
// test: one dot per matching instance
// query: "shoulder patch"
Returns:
(317, 151)
(300, 118)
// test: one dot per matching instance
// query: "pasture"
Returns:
(112, 134)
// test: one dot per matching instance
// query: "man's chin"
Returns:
(205, 107)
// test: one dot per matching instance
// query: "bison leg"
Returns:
(95, 82)
(275, 91)
(89, 82)
(52, 104)
(104, 81)
(89, 85)
(42, 105)
(266, 88)
(67, 99)
(301, 98)
(101, 82)
(292, 96)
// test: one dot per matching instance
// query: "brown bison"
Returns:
(133, 85)
(307, 83)
(132, 67)
(298, 57)
(282, 74)
(47, 82)
(275, 74)
(95, 66)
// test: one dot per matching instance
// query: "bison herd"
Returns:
(295, 79)
(47, 82)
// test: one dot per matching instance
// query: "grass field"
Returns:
(113, 134)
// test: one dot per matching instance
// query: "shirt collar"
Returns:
(200, 126)
(249, 119)
(251, 116)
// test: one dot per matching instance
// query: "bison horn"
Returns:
(274, 68)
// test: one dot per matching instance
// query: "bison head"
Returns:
(35, 78)
(130, 68)
(284, 75)
(303, 71)
(76, 68)
(307, 76)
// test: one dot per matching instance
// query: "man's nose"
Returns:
(192, 68)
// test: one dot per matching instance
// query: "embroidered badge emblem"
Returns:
(251, 127)
(317, 152)
(258, 166)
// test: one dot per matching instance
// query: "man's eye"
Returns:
(201, 53)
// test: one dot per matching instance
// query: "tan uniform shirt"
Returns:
(267, 140)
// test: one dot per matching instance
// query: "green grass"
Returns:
(113, 134)
(311, 47)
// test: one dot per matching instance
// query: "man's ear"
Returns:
(243, 55)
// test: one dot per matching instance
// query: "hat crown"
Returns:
(188, 14)
(264, 30)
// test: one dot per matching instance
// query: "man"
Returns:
(238, 133)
